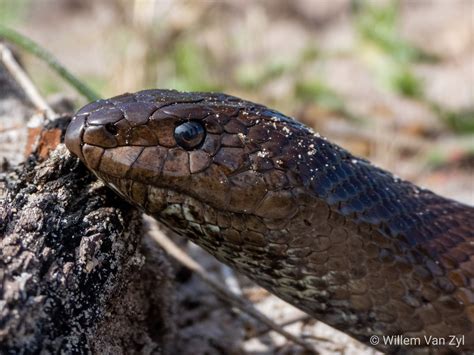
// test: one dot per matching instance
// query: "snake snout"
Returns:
(73, 136)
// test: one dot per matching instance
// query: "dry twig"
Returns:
(24, 81)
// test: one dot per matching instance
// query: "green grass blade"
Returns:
(30, 46)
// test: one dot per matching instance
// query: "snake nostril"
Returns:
(111, 128)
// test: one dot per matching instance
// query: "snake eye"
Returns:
(189, 135)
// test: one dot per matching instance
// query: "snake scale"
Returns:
(348, 243)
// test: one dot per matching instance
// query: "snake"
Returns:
(345, 241)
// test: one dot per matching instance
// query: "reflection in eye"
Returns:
(189, 135)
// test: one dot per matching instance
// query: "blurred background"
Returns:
(389, 80)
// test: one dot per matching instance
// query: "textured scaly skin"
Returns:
(339, 238)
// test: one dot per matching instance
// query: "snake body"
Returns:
(347, 242)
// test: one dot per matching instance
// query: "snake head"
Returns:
(225, 152)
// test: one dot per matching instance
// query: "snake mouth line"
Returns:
(115, 182)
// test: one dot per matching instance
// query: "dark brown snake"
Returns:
(348, 243)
